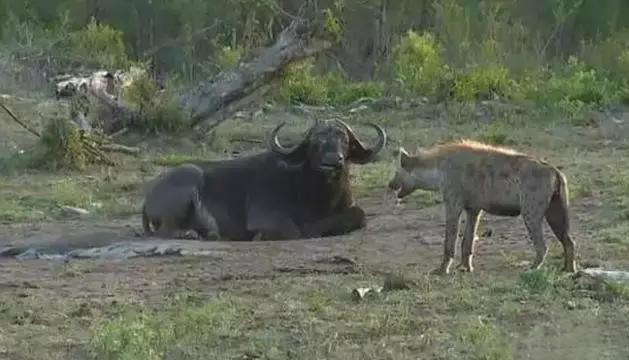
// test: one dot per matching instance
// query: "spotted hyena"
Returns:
(475, 177)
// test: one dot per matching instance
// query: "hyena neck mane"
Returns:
(429, 167)
(439, 152)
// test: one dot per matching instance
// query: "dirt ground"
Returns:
(48, 308)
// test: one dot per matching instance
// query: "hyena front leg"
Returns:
(453, 213)
(469, 239)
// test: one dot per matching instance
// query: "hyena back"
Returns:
(476, 178)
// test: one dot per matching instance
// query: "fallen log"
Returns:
(214, 100)
(210, 102)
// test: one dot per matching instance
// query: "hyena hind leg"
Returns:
(534, 226)
(557, 218)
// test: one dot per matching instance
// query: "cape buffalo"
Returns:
(289, 193)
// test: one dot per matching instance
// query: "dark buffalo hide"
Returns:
(290, 193)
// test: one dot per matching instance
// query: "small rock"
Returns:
(571, 305)
(75, 211)
(362, 293)
(358, 109)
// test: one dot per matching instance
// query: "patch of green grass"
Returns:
(187, 329)
(618, 290)
(495, 133)
(14, 209)
(175, 159)
(540, 281)
(9, 165)
(482, 341)
(372, 176)
(581, 186)
(616, 234)
(69, 193)
(317, 301)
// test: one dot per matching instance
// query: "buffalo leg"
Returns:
(342, 223)
(271, 225)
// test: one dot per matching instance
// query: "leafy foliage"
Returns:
(228, 57)
(300, 85)
(158, 111)
(483, 82)
(66, 146)
(102, 44)
(419, 67)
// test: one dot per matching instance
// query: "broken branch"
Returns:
(15, 118)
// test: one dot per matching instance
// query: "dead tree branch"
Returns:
(20, 122)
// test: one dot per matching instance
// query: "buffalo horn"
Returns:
(369, 153)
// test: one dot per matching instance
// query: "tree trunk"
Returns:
(212, 101)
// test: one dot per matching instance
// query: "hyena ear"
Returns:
(404, 157)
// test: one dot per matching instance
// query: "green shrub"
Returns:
(340, 91)
(610, 55)
(301, 86)
(538, 281)
(418, 65)
(570, 89)
(158, 110)
(66, 146)
(100, 43)
(228, 57)
(483, 82)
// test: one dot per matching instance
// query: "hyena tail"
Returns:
(146, 223)
(564, 197)
(557, 213)
(557, 216)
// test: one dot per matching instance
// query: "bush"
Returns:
(301, 86)
(66, 146)
(419, 68)
(340, 91)
(228, 57)
(483, 83)
(102, 44)
(610, 55)
(570, 89)
(158, 111)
